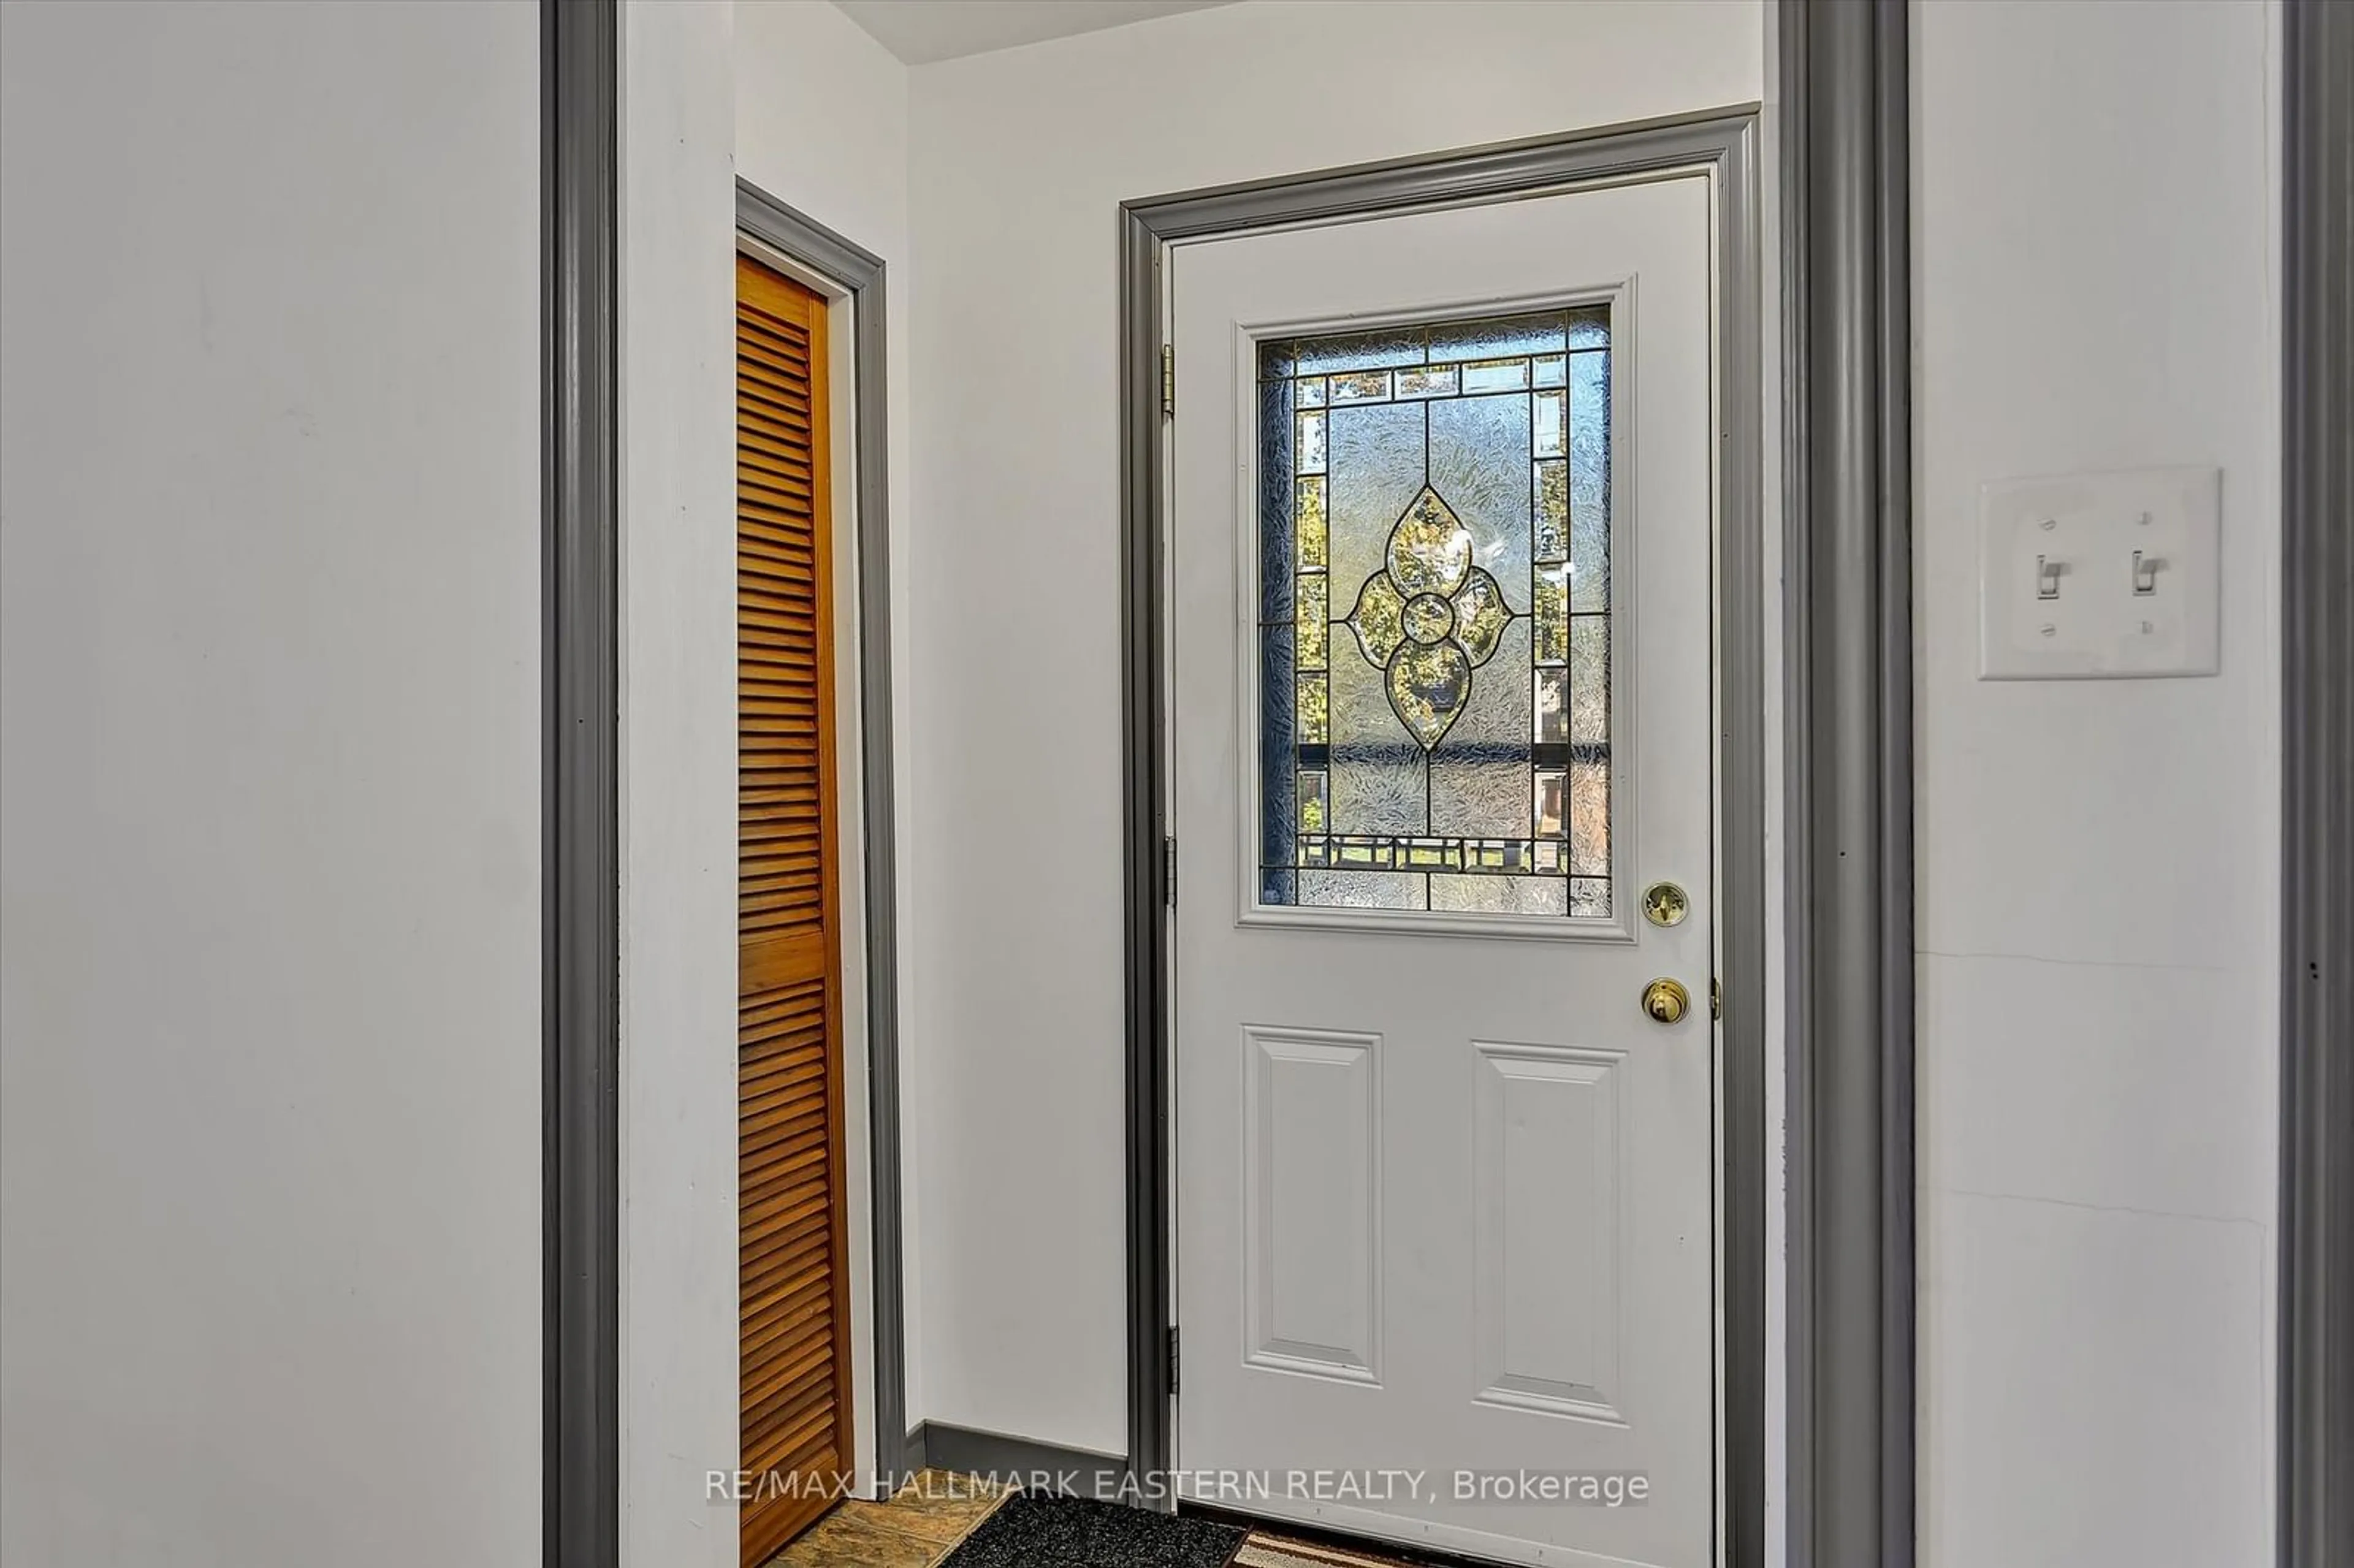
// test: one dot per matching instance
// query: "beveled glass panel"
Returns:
(1430, 549)
(1377, 469)
(1589, 818)
(1552, 802)
(1310, 523)
(1363, 889)
(1495, 719)
(1552, 527)
(1473, 794)
(1480, 771)
(1496, 375)
(1477, 616)
(1430, 855)
(1311, 802)
(1279, 743)
(1548, 433)
(1315, 723)
(1500, 895)
(1496, 854)
(1444, 738)
(1589, 679)
(1589, 897)
(1545, 332)
(1552, 707)
(1479, 463)
(1379, 783)
(1379, 619)
(1551, 614)
(1311, 618)
(1276, 434)
(1589, 467)
(1429, 683)
(1362, 350)
(1427, 617)
(1435, 383)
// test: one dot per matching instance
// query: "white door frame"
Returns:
(1722, 145)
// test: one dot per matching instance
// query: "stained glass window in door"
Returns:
(1435, 617)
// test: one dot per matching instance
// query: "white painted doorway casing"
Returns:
(1444, 1194)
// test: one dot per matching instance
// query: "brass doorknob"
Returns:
(1666, 1000)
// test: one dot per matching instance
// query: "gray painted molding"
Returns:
(2316, 1252)
(1041, 1466)
(1848, 563)
(772, 223)
(580, 887)
(1724, 142)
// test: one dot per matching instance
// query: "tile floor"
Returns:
(914, 1529)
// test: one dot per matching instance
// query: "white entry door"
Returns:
(1440, 568)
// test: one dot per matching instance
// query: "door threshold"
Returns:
(1375, 1550)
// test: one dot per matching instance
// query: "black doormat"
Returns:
(1034, 1531)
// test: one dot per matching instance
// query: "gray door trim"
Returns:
(1849, 757)
(2316, 1247)
(581, 833)
(1724, 142)
(860, 270)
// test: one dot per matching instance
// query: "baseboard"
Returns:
(911, 1453)
(1039, 1466)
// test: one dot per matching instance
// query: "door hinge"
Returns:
(1173, 1359)
(1715, 999)
(1169, 379)
(1169, 869)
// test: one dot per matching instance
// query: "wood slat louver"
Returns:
(793, 1272)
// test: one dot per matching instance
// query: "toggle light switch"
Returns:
(2099, 575)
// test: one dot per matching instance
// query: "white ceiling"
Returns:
(922, 31)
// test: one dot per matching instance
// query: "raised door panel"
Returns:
(1546, 1194)
(1312, 1203)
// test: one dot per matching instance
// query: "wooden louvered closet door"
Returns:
(794, 1268)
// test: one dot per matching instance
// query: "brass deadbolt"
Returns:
(1665, 904)
(1666, 1000)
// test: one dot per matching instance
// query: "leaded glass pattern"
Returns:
(1435, 617)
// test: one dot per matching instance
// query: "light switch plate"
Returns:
(2095, 576)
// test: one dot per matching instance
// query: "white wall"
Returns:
(2096, 924)
(793, 95)
(268, 1096)
(1020, 159)
(822, 120)
(822, 125)
(270, 784)
(679, 1414)
(2098, 860)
